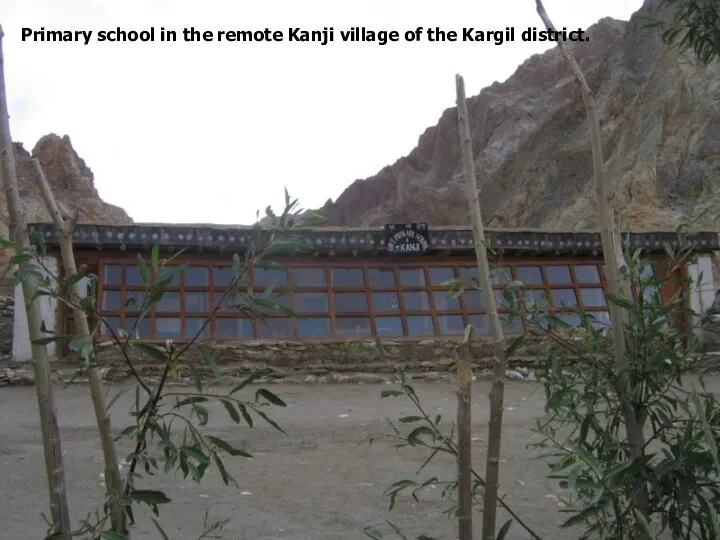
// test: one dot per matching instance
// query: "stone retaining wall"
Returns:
(300, 359)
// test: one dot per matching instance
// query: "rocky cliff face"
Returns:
(660, 119)
(69, 177)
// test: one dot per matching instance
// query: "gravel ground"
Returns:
(320, 482)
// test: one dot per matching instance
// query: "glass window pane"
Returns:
(232, 328)
(381, 277)
(265, 277)
(558, 275)
(420, 325)
(170, 301)
(311, 302)
(538, 297)
(143, 326)
(388, 326)
(273, 327)
(646, 270)
(353, 327)
(385, 301)
(438, 276)
(512, 324)
(480, 323)
(593, 297)
(175, 282)
(529, 275)
(445, 301)
(133, 276)
(500, 276)
(197, 301)
(573, 319)
(278, 301)
(473, 300)
(313, 327)
(193, 325)
(587, 273)
(451, 324)
(113, 274)
(469, 274)
(412, 277)
(111, 300)
(134, 300)
(347, 277)
(167, 327)
(112, 322)
(197, 276)
(563, 297)
(416, 301)
(350, 302)
(222, 276)
(309, 277)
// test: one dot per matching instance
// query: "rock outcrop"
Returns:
(69, 177)
(73, 185)
(660, 119)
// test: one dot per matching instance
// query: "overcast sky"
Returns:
(211, 132)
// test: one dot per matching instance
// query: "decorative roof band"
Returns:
(219, 238)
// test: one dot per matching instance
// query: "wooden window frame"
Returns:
(365, 265)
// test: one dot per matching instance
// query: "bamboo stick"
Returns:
(492, 467)
(113, 480)
(612, 254)
(54, 468)
(464, 374)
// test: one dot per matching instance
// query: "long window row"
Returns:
(347, 301)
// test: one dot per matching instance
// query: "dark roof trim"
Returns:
(218, 238)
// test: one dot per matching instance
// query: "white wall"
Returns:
(702, 294)
(21, 337)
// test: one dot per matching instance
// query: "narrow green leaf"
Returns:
(245, 414)
(227, 447)
(246, 382)
(195, 453)
(410, 419)
(143, 268)
(155, 256)
(209, 359)
(504, 530)
(153, 351)
(269, 396)
(232, 411)
(149, 496)
(190, 400)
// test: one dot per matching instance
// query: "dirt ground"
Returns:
(322, 482)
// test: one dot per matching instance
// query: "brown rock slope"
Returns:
(71, 180)
(660, 122)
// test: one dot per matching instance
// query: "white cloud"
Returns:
(210, 132)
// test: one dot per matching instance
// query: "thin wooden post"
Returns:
(113, 480)
(492, 467)
(612, 255)
(464, 375)
(52, 447)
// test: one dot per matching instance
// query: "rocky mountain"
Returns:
(69, 177)
(660, 117)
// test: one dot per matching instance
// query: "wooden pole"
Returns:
(492, 467)
(464, 374)
(612, 254)
(54, 467)
(113, 480)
